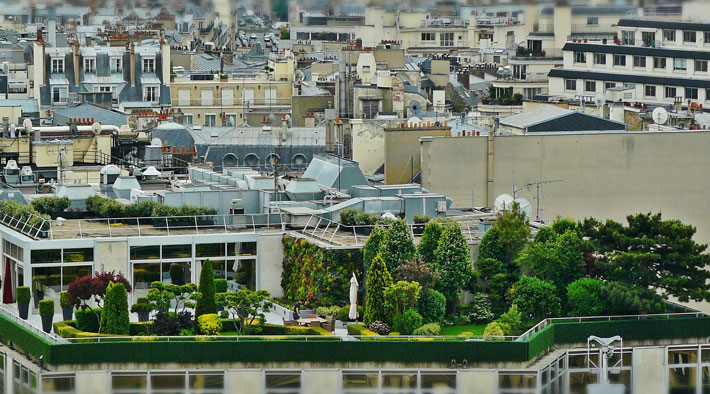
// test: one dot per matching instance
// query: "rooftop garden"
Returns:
(506, 98)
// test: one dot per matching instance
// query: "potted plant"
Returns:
(142, 308)
(67, 307)
(419, 222)
(23, 301)
(585, 40)
(604, 41)
(223, 78)
(46, 311)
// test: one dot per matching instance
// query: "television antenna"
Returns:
(538, 186)
(599, 101)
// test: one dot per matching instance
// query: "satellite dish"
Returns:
(599, 100)
(415, 107)
(27, 124)
(96, 128)
(156, 142)
(300, 76)
(504, 202)
(524, 206)
(660, 116)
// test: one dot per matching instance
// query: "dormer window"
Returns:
(116, 65)
(90, 65)
(149, 65)
(57, 66)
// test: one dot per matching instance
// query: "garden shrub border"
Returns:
(281, 349)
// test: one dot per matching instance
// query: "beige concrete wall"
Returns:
(93, 382)
(402, 152)
(271, 257)
(368, 144)
(647, 376)
(320, 381)
(477, 382)
(112, 255)
(604, 175)
(245, 381)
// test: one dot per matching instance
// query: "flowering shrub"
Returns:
(379, 328)
(480, 309)
(209, 324)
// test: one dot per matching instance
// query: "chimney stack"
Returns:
(133, 63)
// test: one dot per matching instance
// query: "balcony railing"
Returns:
(237, 102)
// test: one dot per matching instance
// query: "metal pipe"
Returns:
(66, 128)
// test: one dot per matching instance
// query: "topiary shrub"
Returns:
(209, 324)
(114, 319)
(421, 219)
(86, 319)
(407, 322)
(206, 304)
(46, 307)
(379, 328)
(344, 313)
(430, 329)
(23, 294)
(432, 306)
(177, 274)
(220, 285)
(64, 300)
(359, 329)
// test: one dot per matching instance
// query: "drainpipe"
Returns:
(489, 165)
(76, 63)
(133, 64)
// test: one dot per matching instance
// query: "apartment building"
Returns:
(208, 99)
(104, 75)
(659, 63)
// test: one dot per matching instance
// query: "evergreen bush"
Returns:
(46, 307)
(407, 322)
(114, 319)
(378, 280)
(397, 246)
(430, 329)
(206, 304)
(432, 306)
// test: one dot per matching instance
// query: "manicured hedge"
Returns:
(331, 349)
(360, 329)
(541, 341)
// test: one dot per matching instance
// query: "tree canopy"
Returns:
(453, 258)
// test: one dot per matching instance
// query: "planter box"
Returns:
(67, 313)
(23, 308)
(364, 230)
(47, 323)
(418, 229)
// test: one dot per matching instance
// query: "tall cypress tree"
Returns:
(372, 246)
(397, 246)
(378, 279)
(430, 241)
(114, 318)
(453, 257)
(206, 304)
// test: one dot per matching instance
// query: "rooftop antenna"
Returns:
(599, 101)
(538, 186)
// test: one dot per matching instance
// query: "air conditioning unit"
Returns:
(441, 206)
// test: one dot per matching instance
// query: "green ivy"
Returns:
(318, 276)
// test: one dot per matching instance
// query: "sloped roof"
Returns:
(104, 116)
(539, 114)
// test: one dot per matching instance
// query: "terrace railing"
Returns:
(157, 226)
(336, 233)
(10, 314)
(583, 319)
(32, 225)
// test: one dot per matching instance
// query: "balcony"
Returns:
(496, 21)
(538, 77)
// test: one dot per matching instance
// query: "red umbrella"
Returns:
(7, 290)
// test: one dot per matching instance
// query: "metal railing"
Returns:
(164, 226)
(25, 227)
(657, 316)
(335, 233)
(12, 316)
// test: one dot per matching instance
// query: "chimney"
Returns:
(76, 63)
(52, 32)
(133, 64)
(165, 60)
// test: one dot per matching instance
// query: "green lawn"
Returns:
(476, 329)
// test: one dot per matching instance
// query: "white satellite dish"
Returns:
(659, 116)
(96, 128)
(504, 202)
(27, 124)
(524, 206)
